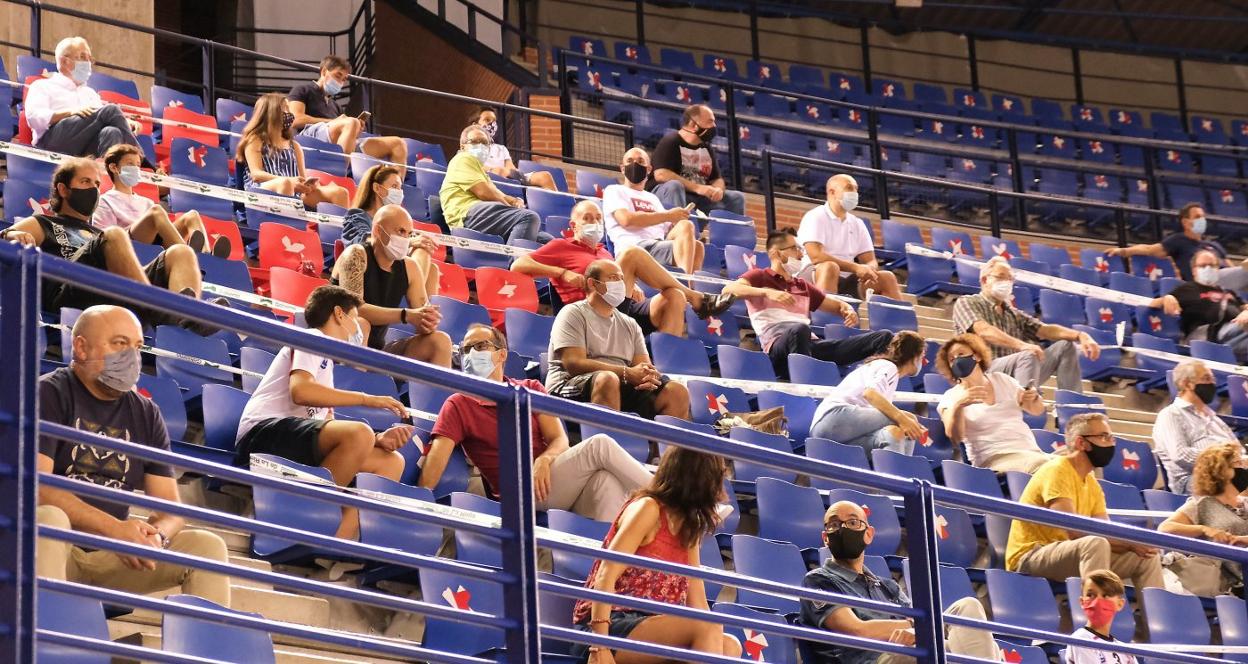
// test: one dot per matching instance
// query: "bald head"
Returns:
(844, 510)
(105, 320)
(842, 194)
(391, 221)
(99, 331)
(847, 533)
(586, 212)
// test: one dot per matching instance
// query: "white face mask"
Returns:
(129, 175)
(81, 72)
(396, 246)
(590, 234)
(479, 363)
(481, 152)
(1206, 275)
(357, 337)
(1003, 290)
(849, 200)
(793, 266)
(615, 293)
(394, 196)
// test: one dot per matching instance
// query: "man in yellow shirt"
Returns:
(470, 200)
(1067, 484)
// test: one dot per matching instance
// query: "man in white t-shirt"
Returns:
(291, 413)
(838, 245)
(637, 217)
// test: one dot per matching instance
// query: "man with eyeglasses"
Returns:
(470, 200)
(685, 168)
(847, 533)
(779, 304)
(598, 354)
(1068, 484)
(592, 478)
(1188, 425)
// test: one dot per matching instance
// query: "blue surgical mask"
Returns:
(479, 363)
(357, 337)
(849, 200)
(1200, 225)
(129, 175)
(332, 87)
(591, 234)
(394, 196)
(81, 72)
(481, 152)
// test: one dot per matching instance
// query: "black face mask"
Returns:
(83, 201)
(1101, 456)
(1206, 391)
(635, 172)
(963, 366)
(705, 134)
(1240, 479)
(846, 544)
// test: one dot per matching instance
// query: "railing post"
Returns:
(1016, 179)
(994, 214)
(769, 192)
(19, 299)
(1120, 226)
(972, 61)
(754, 50)
(734, 137)
(865, 39)
(36, 30)
(565, 96)
(472, 21)
(515, 432)
(1077, 69)
(1182, 90)
(1154, 195)
(877, 162)
(640, 11)
(929, 631)
(208, 61)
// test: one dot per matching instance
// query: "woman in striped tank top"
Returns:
(269, 158)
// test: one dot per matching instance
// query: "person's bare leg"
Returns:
(637, 264)
(344, 131)
(183, 267)
(189, 222)
(388, 148)
(828, 277)
(429, 270)
(886, 285)
(326, 193)
(606, 390)
(685, 246)
(673, 400)
(155, 224)
(434, 348)
(667, 312)
(119, 255)
(542, 179)
(282, 186)
(344, 447)
(680, 633)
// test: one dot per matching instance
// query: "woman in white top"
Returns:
(861, 412)
(985, 410)
(499, 162)
(146, 221)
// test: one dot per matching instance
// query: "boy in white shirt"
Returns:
(637, 217)
(1103, 596)
(838, 245)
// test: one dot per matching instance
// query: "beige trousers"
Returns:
(1023, 462)
(594, 478)
(960, 640)
(1061, 560)
(59, 560)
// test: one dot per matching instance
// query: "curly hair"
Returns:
(973, 342)
(1209, 474)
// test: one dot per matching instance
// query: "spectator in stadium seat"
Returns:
(1014, 335)
(147, 222)
(319, 116)
(1103, 596)
(1188, 425)
(564, 260)
(291, 413)
(270, 158)
(1181, 246)
(1209, 311)
(379, 272)
(838, 245)
(685, 169)
(67, 233)
(383, 185)
(470, 200)
(847, 532)
(779, 303)
(96, 394)
(1067, 483)
(598, 355)
(499, 160)
(66, 115)
(860, 410)
(592, 478)
(1217, 510)
(636, 217)
(984, 409)
(666, 520)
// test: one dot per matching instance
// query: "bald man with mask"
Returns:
(95, 393)
(636, 217)
(838, 245)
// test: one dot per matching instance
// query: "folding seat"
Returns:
(70, 614)
(880, 513)
(195, 161)
(1214, 352)
(766, 74)
(758, 645)
(1009, 108)
(806, 78)
(1229, 203)
(1166, 122)
(350, 378)
(1061, 308)
(1098, 150)
(955, 538)
(1128, 123)
(592, 183)
(746, 472)
(211, 639)
(322, 156)
(425, 154)
(472, 547)
(902, 465)
(964, 98)
(190, 376)
(223, 408)
(845, 86)
(789, 513)
(972, 171)
(472, 259)
(164, 98)
(1086, 118)
(284, 508)
(458, 316)
(1045, 253)
(898, 234)
(527, 332)
(587, 46)
(229, 111)
(806, 370)
(719, 66)
(883, 316)
(1152, 267)
(990, 246)
(1057, 146)
(1046, 112)
(708, 400)
(965, 477)
(834, 452)
(926, 93)
(381, 529)
(29, 65)
(1097, 259)
(800, 410)
(809, 110)
(1106, 188)
(955, 242)
(1025, 601)
(932, 275)
(567, 564)
(774, 561)
(1233, 624)
(725, 231)
(679, 60)
(1175, 160)
(635, 52)
(898, 125)
(1163, 500)
(677, 355)
(464, 594)
(23, 198)
(500, 290)
(1175, 618)
(1105, 314)
(712, 330)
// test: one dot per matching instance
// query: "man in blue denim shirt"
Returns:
(847, 534)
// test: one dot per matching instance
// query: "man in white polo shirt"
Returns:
(637, 217)
(838, 245)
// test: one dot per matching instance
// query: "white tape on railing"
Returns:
(1213, 365)
(250, 298)
(813, 391)
(1042, 280)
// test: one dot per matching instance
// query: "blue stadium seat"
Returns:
(194, 161)
(471, 259)
(211, 639)
(465, 594)
(672, 354)
(1021, 654)
(738, 363)
(1233, 624)
(759, 645)
(565, 563)
(30, 170)
(1162, 500)
(223, 407)
(70, 614)
(163, 97)
(1082, 275)
(1174, 618)
(527, 332)
(1214, 352)
(708, 400)
(806, 78)
(902, 465)
(472, 547)
(789, 513)
(1158, 323)
(1237, 391)
(1106, 314)
(191, 377)
(384, 530)
(1067, 404)
(724, 232)
(1061, 308)
(165, 394)
(1133, 464)
(955, 242)
(1097, 259)
(678, 60)
(635, 52)
(350, 378)
(797, 408)
(806, 370)
(323, 156)
(292, 511)
(229, 111)
(965, 477)
(990, 246)
(880, 513)
(457, 316)
(883, 316)
(1018, 599)
(954, 582)
(1123, 497)
(955, 537)
(527, 166)
(748, 472)
(713, 330)
(592, 183)
(775, 561)
(19, 194)
(185, 201)
(546, 203)
(739, 260)
(833, 452)
(1151, 342)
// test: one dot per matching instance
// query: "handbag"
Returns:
(1198, 575)
(771, 421)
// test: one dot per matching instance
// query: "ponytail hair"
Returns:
(905, 348)
(364, 194)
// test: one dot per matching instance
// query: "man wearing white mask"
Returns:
(469, 199)
(380, 272)
(598, 355)
(291, 413)
(838, 245)
(66, 115)
(636, 217)
(1182, 246)
(592, 478)
(780, 303)
(318, 115)
(499, 162)
(1210, 311)
(564, 261)
(1014, 336)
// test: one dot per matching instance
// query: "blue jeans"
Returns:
(863, 426)
(1236, 337)
(510, 223)
(674, 195)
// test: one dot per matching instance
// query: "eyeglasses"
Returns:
(853, 523)
(480, 345)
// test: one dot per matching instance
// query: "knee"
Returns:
(684, 229)
(828, 270)
(111, 135)
(533, 218)
(50, 515)
(358, 438)
(732, 647)
(676, 393)
(606, 382)
(112, 114)
(674, 296)
(179, 254)
(968, 607)
(116, 234)
(202, 543)
(887, 277)
(1092, 546)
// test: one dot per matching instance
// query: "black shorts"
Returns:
(640, 312)
(293, 438)
(848, 285)
(91, 254)
(622, 624)
(581, 388)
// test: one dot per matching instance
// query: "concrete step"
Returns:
(286, 649)
(251, 563)
(272, 604)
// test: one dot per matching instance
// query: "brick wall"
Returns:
(544, 133)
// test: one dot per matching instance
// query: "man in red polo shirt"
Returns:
(593, 479)
(563, 261)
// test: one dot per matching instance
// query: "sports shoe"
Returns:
(715, 304)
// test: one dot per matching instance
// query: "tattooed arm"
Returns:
(349, 272)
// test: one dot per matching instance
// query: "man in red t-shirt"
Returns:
(563, 261)
(593, 479)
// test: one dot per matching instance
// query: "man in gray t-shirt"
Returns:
(598, 355)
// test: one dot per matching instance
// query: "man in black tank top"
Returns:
(67, 233)
(380, 273)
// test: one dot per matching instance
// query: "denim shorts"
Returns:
(622, 624)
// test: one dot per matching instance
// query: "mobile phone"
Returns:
(691, 207)
(364, 116)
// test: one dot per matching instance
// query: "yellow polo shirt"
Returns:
(1055, 479)
(462, 173)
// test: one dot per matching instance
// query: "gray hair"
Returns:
(1077, 425)
(1187, 371)
(463, 135)
(991, 263)
(68, 43)
(585, 202)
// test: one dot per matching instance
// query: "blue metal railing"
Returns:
(20, 275)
